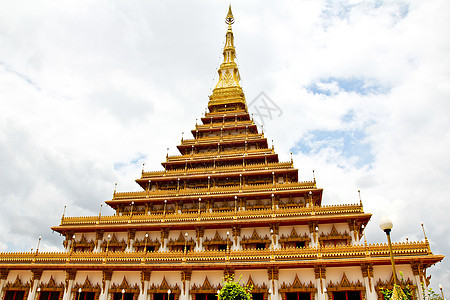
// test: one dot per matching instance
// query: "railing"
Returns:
(238, 167)
(228, 124)
(221, 154)
(214, 190)
(251, 136)
(136, 259)
(226, 113)
(205, 216)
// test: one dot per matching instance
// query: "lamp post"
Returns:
(168, 294)
(39, 292)
(107, 242)
(386, 225)
(79, 293)
(39, 242)
(185, 243)
(123, 294)
(145, 243)
(165, 204)
(442, 292)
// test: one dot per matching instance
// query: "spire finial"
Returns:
(229, 19)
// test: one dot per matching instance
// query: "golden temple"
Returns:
(225, 205)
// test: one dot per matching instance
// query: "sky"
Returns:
(358, 91)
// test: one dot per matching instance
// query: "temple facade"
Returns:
(225, 205)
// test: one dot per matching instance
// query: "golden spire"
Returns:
(228, 89)
(229, 19)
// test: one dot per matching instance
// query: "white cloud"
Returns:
(89, 86)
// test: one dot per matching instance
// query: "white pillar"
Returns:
(143, 295)
(104, 293)
(163, 247)
(199, 244)
(185, 292)
(2, 284)
(68, 292)
(419, 287)
(321, 295)
(371, 294)
(32, 294)
(275, 295)
(130, 247)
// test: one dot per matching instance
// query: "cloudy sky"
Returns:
(90, 90)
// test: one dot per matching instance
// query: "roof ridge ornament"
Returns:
(229, 19)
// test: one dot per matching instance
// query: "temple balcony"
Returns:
(224, 139)
(225, 115)
(239, 190)
(297, 215)
(216, 170)
(224, 125)
(348, 255)
(209, 155)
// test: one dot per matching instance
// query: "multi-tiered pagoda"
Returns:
(226, 205)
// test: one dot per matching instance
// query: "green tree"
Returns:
(232, 290)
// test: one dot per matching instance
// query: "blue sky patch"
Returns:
(350, 144)
(333, 85)
(138, 159)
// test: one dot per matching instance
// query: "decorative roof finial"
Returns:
(229, 19)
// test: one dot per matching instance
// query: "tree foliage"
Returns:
(232, 290)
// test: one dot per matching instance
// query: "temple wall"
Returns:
(94, 277)
(58, 276)
(258, 276)
(340, 227)
(131, 277)
(24, 275)
(261, 231)
(210, 233)
(153, 235)
(382, 272)
(335, 274)
(214, 277)
(288, 276)
(172, 277)
(300, 229)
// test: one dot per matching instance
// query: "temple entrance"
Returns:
(205, 297)
(47, 295)
(258, 296)
(123, 296)
(81, 296)
(14, 295)
(347, 295)
(163, 296)
(298, 296)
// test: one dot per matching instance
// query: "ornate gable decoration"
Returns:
(164, 287)
(216, 240)
(84, 243)
(124, 286)
(334, 235)
(146, 241)
(295, 237)
(255, 238)
(17, 285)
(51, 285)
(345, 285)
(205, 288)
(114, 242)
(180, 241)
(87, 286)
(255, 287)
(390, 285)
(297, 286)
